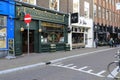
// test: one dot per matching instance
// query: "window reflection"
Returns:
(52, 33)
(3, 21)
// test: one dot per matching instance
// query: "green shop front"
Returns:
(47, 30)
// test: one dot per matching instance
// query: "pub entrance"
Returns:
(25, 41)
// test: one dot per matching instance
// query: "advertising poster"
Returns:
(2, 37)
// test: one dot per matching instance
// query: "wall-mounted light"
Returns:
(33, 7)
(45, 11)
(56, 14)
(21, 29)
(40, 30)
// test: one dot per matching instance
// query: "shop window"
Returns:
(3, 23)
(54, 4)
(53, 33)
(78, 38)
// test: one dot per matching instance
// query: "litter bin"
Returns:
(67, 47)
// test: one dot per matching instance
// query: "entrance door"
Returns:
(25, 41)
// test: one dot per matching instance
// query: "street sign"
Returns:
(27, 18)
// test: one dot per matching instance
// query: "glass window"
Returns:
(52, 33)
(29, 1)
(113, 2)
(2, 20)
(3, 24)
(77, 38)
(99, 12)
(110, 16)
(86, 9)
(107, 14)
(75, 6)
(54, 4)
(95, 10)
(103, 12)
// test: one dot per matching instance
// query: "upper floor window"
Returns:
(103, 13)
(75, 6)
(106, 0)
(113, 2)
(54, 4)
(3, 21)
(29, 1)
(95, 10)
(107, 14)
(86, 9)
(99, 12)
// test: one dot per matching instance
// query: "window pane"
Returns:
(29, 1)
(86, 9)
(95, 8)
(3, 23)
(52, 33)
(75, 6)
(2, 20)
(54, 4)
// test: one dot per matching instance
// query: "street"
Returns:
(88, 66)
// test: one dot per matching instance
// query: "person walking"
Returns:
(111, 42)
(96, 42)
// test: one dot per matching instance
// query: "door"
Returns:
(25, 41)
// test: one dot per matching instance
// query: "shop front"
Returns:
(6, 25)
(82, 33)
(47, 30)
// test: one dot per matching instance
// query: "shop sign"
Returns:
(41, 14)
(85, 22)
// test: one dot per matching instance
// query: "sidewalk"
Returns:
(34, 58)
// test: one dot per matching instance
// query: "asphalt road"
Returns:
(92, 66)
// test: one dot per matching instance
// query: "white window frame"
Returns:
(87, 9)
(78, 7)
(95, 10)
(53, 7)
(28, 1)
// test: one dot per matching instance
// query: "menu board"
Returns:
(11, 46)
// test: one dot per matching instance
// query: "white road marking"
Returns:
(52, 61)
(114, 72)
(73, 67)
(60, 59)
(68, 65)
(82, 69)
(20, 68)
(89, 71)
(101, 72)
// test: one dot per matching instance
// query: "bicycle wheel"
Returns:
(110, 69)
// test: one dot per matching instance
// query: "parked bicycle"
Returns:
(114, 63)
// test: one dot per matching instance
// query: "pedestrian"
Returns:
(96, 42)
(111, 42)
